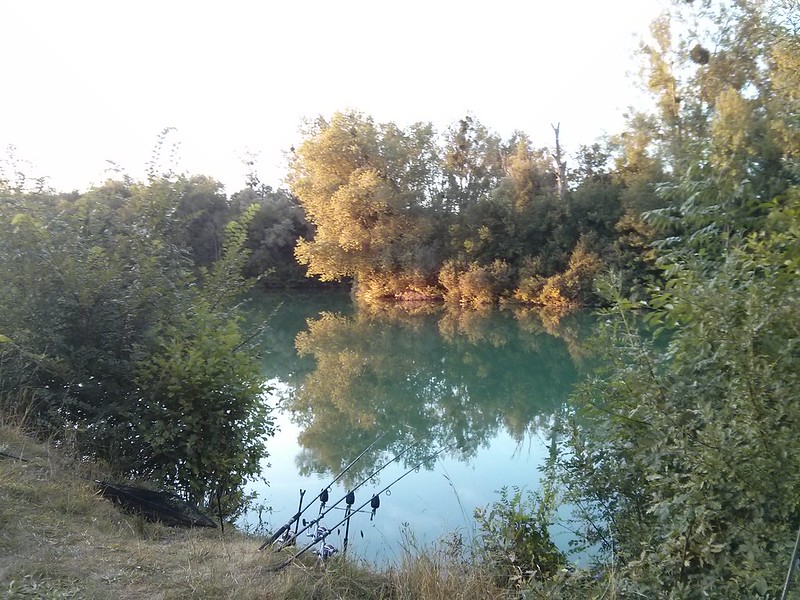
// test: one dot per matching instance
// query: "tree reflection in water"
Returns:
(450, 377)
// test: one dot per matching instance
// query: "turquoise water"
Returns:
(486, 387)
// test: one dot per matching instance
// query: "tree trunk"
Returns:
(559, 165)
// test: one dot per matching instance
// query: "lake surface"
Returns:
(485, 386)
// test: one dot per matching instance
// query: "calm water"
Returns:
(486, 386)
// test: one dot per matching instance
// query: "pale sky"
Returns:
(86, 81)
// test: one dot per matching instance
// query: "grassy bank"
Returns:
(59, 539)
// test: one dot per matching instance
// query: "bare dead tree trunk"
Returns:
(560, 165)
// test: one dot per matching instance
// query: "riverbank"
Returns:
(59, 539)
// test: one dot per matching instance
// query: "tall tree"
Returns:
(472, 164)
(719, 116)
(365, 188)
(201, 215)
(277, 224)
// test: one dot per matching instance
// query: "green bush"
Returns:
(686, 461)
(476, 284)
(516, 542)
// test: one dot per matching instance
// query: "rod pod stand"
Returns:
(327, 532)
(349, 500)
(296, 517)
(299, 511)
(348, 514)
(372, 475)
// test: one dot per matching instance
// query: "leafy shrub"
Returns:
(396, 286)
(687, 461)
(124, 343)
(567, 290)
(516, 541)
(201, 411)
(531, 280)
(476, 284)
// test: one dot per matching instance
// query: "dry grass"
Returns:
(58, 539)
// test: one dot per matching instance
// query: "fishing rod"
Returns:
(324, 532)
(351, 493)
(322, 494)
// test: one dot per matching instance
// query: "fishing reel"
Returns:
(326, 551)
(319, 534)
(287, 538)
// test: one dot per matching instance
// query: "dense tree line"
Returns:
(465, 216)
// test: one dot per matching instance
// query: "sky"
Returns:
(86, 82)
